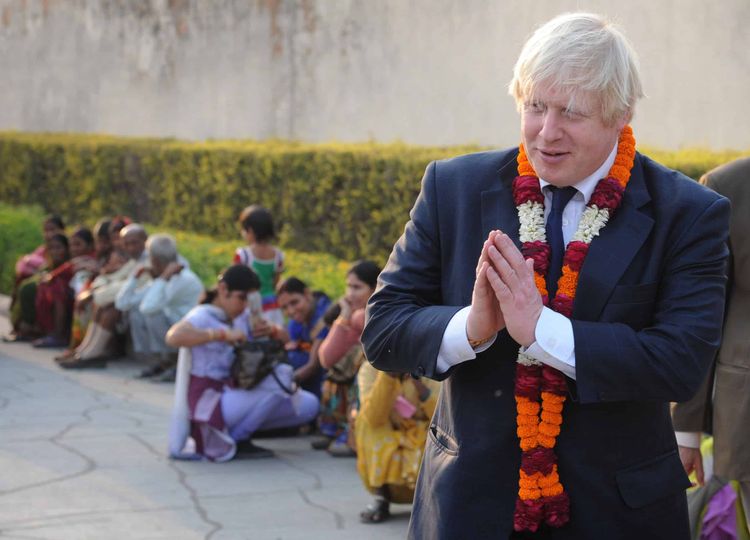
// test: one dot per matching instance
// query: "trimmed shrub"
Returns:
(350, 200)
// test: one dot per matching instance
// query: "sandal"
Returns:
(321, 443)
(376, 512)
(247, 450)
(67, 355)
(339, 448)
(151, 371)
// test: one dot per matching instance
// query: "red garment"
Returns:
(53, 289)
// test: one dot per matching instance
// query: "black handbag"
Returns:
(255, 360)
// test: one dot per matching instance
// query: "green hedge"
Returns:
(693, 162)
(350, 200)
(21, 232)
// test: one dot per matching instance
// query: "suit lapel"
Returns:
(613, 250)
(498, 209)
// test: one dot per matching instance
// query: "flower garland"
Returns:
(541, 496)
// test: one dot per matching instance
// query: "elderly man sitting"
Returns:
(153, 306)
(97, 345)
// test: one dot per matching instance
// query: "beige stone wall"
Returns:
(421, 71)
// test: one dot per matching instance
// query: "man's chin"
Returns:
(555, 176)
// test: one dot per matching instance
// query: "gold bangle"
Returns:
(474, 343)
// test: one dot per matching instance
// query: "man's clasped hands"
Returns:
(505, 295)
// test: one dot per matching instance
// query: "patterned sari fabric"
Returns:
(53, 290)
(336, 402)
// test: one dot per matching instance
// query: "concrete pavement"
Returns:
(83, 456)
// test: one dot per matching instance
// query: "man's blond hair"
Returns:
(577, 52)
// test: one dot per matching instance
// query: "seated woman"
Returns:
(54, 297)
(341, 354)
(221, 416)
(87, 269)
(305, 331)
(28, 271)
(82, 258)
(391, 431)
(33, 262)
(46, 312)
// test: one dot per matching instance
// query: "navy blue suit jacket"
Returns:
(646, 321)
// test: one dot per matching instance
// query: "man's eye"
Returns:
(536, 106)
(573, 113)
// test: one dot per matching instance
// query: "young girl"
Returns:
(265, 259)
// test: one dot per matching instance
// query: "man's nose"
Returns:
(551, 126)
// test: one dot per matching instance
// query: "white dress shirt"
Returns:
(555, 344)
(174, 297)
(130, 292)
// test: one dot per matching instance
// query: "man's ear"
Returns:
(624, 120)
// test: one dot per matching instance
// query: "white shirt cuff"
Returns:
(688, 439)
(455, 348)
(555, 343)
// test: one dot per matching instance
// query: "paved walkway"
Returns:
(83, 456)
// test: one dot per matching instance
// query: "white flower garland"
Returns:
(531, 218)
(592, 221)
(532, 229)
(526, 360)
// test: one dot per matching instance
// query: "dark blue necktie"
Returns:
(560, 198)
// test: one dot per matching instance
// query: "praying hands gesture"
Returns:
(505, 295)
(485, 317)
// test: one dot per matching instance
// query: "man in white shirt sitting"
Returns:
(152, 309)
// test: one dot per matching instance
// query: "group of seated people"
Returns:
(123, 281)
(93, 291)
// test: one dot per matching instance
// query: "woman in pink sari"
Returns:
(54, 300)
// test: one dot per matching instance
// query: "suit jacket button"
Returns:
(420, 371)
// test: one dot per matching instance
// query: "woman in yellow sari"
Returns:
(391, 430)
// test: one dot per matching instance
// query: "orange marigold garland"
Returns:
(539, 389)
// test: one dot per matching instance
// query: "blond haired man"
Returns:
(566, 291)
